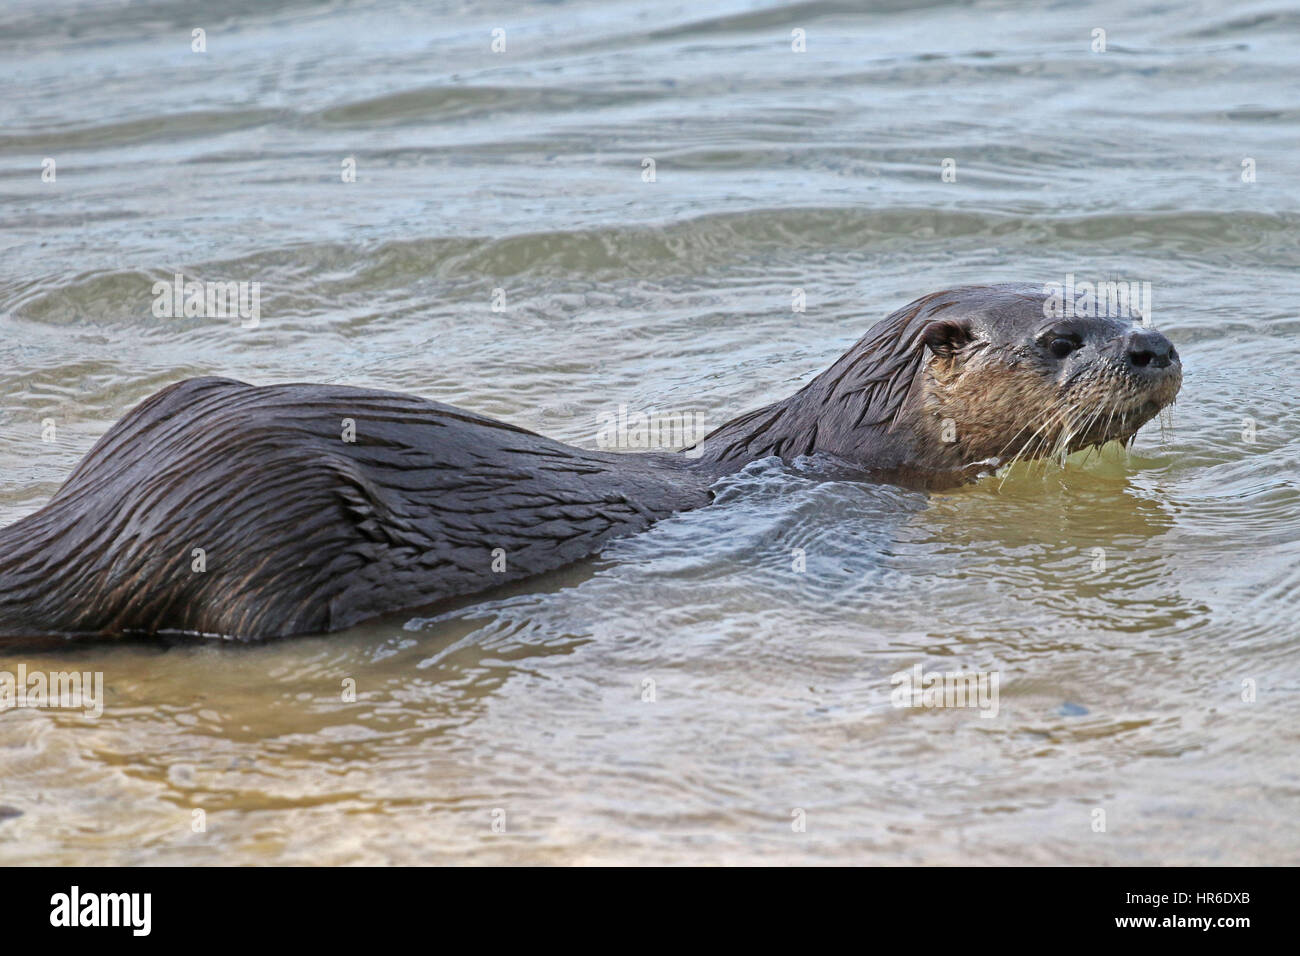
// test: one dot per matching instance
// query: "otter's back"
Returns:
(217, 507)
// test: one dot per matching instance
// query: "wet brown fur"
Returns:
(305, 533)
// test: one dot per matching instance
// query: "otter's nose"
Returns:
(1147, 348)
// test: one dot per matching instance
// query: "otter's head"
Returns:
(966, 376)
(1008, 375)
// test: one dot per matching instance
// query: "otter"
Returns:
(218, 508)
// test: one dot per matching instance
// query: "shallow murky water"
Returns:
(1121, 689)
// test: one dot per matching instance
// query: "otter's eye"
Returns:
(1062, 347)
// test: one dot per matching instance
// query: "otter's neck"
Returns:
(880, 407)
(858, 415)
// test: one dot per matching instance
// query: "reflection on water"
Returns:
(680, 697)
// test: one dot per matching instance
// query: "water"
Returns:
(1121, 690)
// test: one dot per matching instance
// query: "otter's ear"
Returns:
(945, 336)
